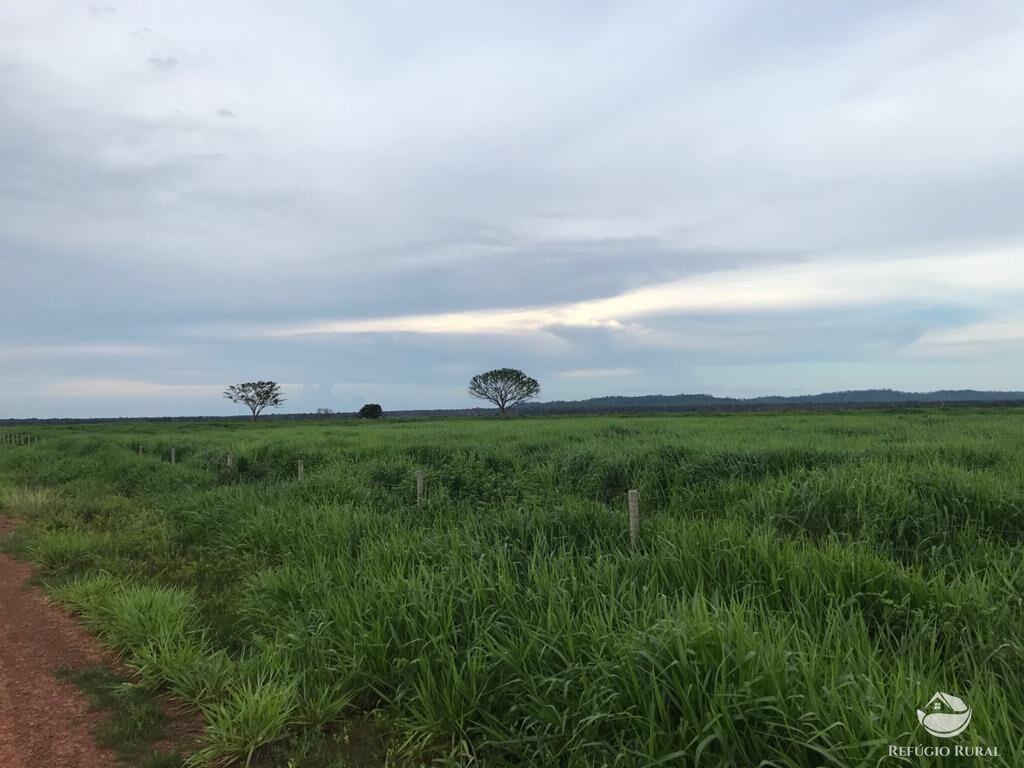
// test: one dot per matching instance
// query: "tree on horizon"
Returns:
(256, 396)
(504, 387)
(371, 411)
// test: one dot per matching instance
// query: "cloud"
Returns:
(830, 283)
(127, 388)
(595, 373)
(162, 62)
(1002, 337)
(24, 352)
(137, 388)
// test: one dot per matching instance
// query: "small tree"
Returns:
(504, 387)
(371, 411)
(256, 395)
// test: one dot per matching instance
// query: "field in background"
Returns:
(802, 583)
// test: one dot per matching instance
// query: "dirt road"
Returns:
(43, 723)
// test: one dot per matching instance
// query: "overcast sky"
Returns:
(373, 201)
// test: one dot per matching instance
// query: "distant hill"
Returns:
(895, 396)
(683, 402)
(863, 398)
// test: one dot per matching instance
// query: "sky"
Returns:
(371, 202)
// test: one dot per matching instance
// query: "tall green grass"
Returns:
(803, 582)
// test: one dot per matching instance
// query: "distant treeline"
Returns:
(640, 404)
(860, 397)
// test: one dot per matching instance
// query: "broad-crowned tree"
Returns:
(256, 395)
(504, 387)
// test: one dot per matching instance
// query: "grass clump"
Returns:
(133, 723)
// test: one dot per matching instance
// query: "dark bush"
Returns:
(371, 411)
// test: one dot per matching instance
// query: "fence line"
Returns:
(16, 439)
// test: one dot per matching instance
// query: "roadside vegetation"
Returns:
(802, 584)
(133, 723)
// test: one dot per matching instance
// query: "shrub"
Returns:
(371, 411)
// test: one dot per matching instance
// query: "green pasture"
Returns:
(802, 583)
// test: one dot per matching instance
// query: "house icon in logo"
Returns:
(945, 716)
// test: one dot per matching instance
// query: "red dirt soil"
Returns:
(44, 723)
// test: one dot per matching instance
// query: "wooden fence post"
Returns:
(420, 483)
(302, 470)
(634, 517)
(231, 460)
(140, 449)
(174, 456)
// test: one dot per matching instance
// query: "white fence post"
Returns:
(634, 517)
